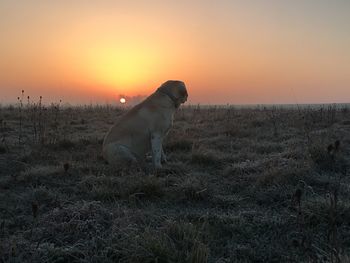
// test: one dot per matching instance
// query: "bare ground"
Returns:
(242, 185)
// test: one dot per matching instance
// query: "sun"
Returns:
(122, 100)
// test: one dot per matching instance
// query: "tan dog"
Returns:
(142, 128)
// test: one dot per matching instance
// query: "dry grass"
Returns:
(242, 185)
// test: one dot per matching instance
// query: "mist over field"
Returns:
(242, 184)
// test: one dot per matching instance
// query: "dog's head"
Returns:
(176, 90)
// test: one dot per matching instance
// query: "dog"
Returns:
(142, 129)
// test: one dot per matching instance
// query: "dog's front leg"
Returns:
(156, 142)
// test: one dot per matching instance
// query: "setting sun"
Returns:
(122, 100)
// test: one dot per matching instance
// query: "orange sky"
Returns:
(238, 52)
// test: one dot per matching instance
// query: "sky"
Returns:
(226, 51)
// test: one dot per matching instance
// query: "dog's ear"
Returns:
(166, 87)
(182, 91)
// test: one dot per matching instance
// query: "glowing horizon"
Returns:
(225, 51)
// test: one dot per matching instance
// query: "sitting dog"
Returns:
(143, 128)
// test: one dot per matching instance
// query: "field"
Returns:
(260, 184)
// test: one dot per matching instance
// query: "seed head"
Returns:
(298, 193)
(66, 167)
(35, 209)
(337, 144)
(330, 148)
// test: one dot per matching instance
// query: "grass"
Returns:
(242, 185)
